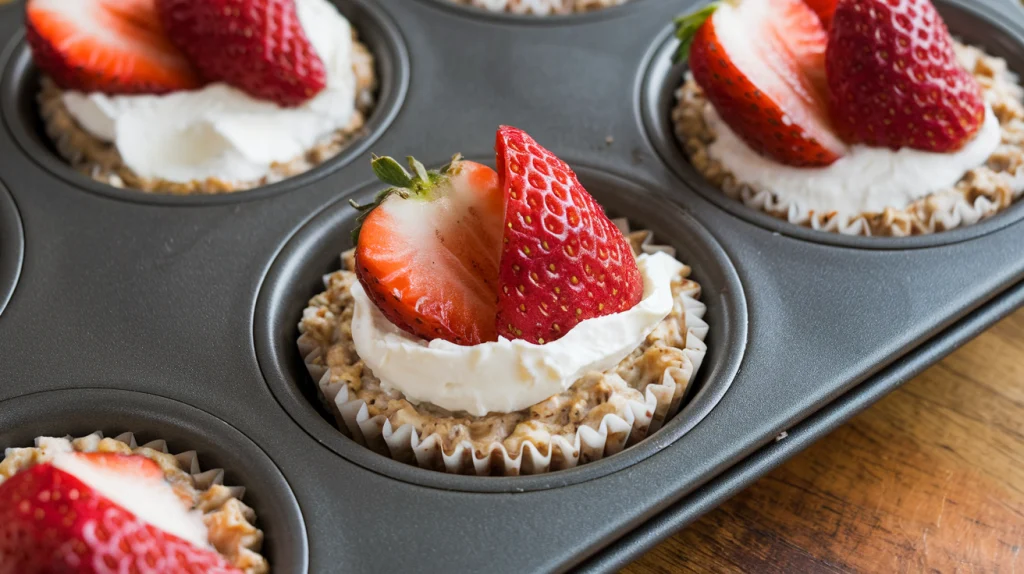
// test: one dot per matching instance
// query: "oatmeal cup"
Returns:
(540, 7)
(229, 524)
(599, 415)
(202, 134)
(968, 184)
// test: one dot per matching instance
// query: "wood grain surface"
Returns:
(929, 479)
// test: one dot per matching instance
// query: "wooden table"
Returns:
(930, 479)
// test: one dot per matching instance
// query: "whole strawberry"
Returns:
(894, 79)
(258, 46)
(563, 261)
(761, 65)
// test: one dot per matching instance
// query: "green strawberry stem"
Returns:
(686, 29)
(403, 184)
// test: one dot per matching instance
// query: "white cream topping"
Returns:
(151, 500)
(219, 131)
(867, 179)
(507, 376)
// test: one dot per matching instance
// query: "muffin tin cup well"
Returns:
(314, 251)
(81, 412)
(973, 22)
(12, 247)
(20, 85)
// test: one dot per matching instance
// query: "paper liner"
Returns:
(614, 433)
(102, 162)
(221, 505)
(540, 7)
(982, 193)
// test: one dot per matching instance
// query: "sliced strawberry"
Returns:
(124, 464)
(427, 251)
(761, 65)
(824, 9)
(894, 78)
(258, 46)
(108, 46)
(50, 521)
(562, 261)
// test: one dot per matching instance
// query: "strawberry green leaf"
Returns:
(686, 29)
(391, 172)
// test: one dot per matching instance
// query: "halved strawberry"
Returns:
(427, 249)
(825, 9)
(123, 464)
(895, 80)
(258, 46)
(108, 46)
(562, 261)
(761, 65)
(50, 521)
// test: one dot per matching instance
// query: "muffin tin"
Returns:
(176, 317)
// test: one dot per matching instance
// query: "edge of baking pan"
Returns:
(681, 514)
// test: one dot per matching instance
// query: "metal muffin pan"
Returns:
(195, 300)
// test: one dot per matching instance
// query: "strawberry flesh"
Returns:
(761, 65)
(429, 261)
(258, 46)
(825, 9)
(50, 521)
(107, 46)
(562, 261)
(894, 78)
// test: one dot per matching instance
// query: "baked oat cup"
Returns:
(87, 130)
(991, 186)
(230, 523)
(248, 475)
(600, 415)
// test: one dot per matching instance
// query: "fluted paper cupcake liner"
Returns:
(633, 422)
(221, 505)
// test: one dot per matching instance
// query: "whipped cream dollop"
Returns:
(867, 179)
(222, 132)
(151, 500)
(508, 375)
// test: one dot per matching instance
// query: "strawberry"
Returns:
(108, 46)
(562, 261)
(257, 46)
(128, 465)
(761, 65)
(894, 78)
(427, 249)
(824, 9)
(50, 521)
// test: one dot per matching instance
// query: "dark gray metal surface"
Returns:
(194, 299)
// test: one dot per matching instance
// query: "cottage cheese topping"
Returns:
(507, 376)
(222, 132)
(867, 179)
(152, 501)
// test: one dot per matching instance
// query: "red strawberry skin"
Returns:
(51, 522)
(562, 261)
(894, 79)
(258, 46)
(107, 46)
(761, 65)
